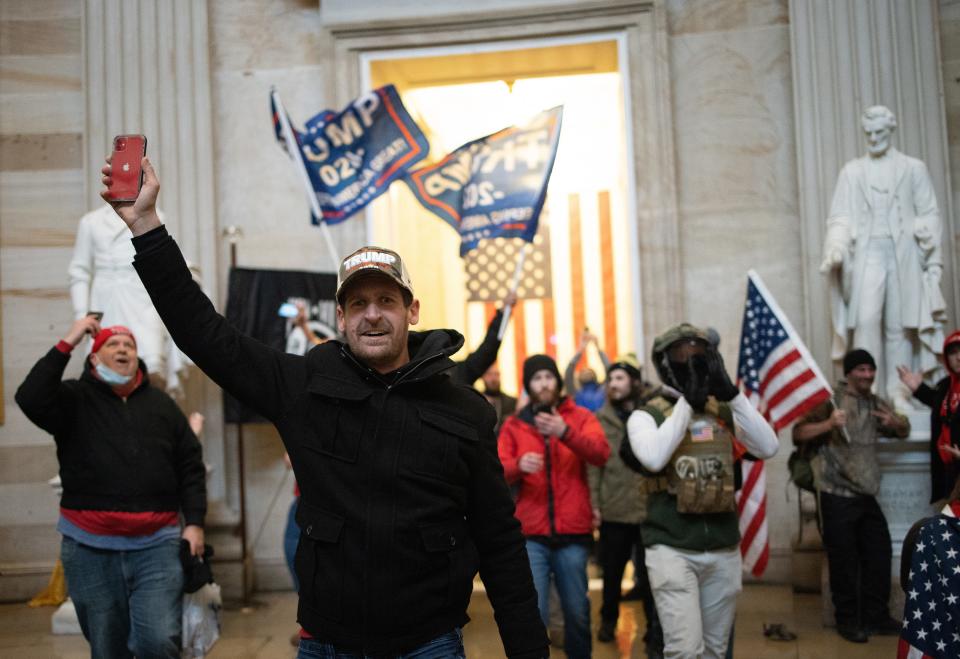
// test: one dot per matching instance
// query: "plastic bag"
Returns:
(201, 620)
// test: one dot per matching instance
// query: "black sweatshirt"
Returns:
(403, 498)
(133, 455)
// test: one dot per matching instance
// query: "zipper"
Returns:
(549, 473)
(374, 373)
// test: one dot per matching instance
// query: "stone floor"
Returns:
(264, 631)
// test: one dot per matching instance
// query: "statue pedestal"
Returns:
(904, 498)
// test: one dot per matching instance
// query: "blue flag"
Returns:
(493, 187)
(351, 158)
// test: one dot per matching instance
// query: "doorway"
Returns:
(588, 247)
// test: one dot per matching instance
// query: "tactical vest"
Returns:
(701, 473)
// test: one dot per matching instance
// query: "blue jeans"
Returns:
(291, 538)
(445, 646)
(128, 602)
(568, 565)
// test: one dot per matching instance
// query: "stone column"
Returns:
(146, 70)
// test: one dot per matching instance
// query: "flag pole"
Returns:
(513, 289)
(293, 147)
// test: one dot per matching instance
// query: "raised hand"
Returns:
(80, 328)
(909, 378)
(140, 215)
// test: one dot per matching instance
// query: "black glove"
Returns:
(720, 386)
(697, 386)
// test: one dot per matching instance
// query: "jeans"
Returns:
(617, 544)
(858, 547)
(445, 646)
(696, 594)
(128, 602)
(568, 565)
(291, 538)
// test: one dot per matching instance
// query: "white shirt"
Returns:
(654, 445)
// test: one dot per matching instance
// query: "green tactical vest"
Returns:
(701, 473)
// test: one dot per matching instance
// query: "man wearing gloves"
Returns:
(683, 440)
(545, 448)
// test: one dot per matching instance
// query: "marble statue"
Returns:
(882, 252)
(102, 278)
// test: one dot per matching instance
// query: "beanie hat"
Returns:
(628, 363)
(856, 358)
(536, 363)
(107, 332)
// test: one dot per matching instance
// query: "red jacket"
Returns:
(566, 465)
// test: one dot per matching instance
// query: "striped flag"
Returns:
(576, 274)
(781, 379)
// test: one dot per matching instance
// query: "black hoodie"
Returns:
(403, 498)
(133, 455)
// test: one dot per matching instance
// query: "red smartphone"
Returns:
(126, 172)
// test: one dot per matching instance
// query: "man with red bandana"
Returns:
(944, 403)
(130, 466)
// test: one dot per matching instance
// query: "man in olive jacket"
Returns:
(615, 491)
(403, 498)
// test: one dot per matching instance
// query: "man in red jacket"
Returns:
(545, 449)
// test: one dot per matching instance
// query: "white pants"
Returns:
(696, 596)
(879, 328)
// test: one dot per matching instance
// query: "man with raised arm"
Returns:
(403, 498)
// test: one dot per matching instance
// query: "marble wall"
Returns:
(736, 177)
(41, 199)
(729, 66)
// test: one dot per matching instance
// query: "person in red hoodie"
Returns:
(545, 450)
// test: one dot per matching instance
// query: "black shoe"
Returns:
(852, 634)
(605, 633)
(886, 627)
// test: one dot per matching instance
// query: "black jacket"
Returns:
(137, 455)
(941, 475)
(402, 494)
(478, 361)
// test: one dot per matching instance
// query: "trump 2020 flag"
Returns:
(493, 187)
(780, 378)
(350, 158)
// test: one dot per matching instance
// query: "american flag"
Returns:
(782, 380)
(931, 615)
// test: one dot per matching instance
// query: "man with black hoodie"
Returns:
(402, 496)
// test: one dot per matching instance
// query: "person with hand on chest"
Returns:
(545, 448)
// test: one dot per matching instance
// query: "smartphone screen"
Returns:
(127, 174)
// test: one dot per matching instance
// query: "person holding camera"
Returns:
(402, 497)
(682, 440)
(545, 448)
(131, 465)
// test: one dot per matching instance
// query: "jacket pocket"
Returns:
(338, 414)
(438, 445)
(452, 557)
(319, 560)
